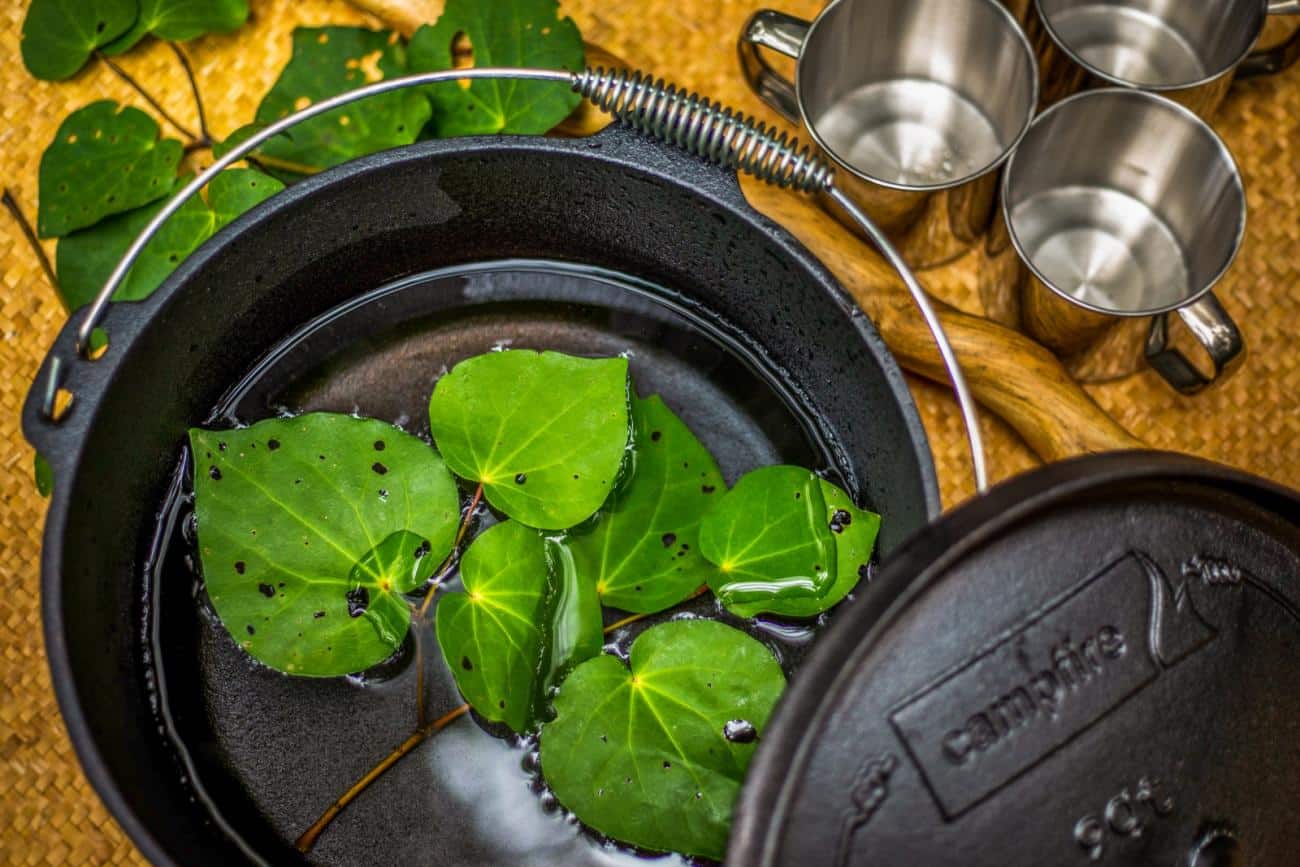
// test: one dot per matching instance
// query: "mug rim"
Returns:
(1009, 20)
(1116, 81)
(1188, 115)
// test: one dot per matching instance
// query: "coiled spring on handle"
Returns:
(704, 128)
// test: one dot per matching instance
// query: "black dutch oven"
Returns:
(348, 292)
(1094, 663)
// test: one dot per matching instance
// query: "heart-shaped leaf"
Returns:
(517, 627)
(328, 61)
(502, 33)
(179, 20)
(545, 434)
(643, 755)
(84, 259)
(770, 539)
(310, 529)
(60, 35)
(643, 554)
(105, 159)
(854, 531)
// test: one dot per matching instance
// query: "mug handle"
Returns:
(768, 28)
(1273, 60)
(1215, 330)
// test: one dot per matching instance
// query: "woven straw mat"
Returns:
(49, 815)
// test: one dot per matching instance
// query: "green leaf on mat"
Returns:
(104, 160)
(512, 626)
(644, 755)
(328, 61)
(179, 20)
(43, 473)
(643, 553)
(544, 433)
(502, 33)
(84, 259)
(60, 35)
(771, 541)
(310, 529)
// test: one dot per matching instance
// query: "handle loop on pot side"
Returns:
(688, 121)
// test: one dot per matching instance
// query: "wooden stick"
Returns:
(312, 834)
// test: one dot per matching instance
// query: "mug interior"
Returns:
(917, 94)
(1124, 202)
(1157, 44)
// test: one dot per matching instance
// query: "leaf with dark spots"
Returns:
(771, 541)
(549, 416)
(638, 751)
(517, 627)
(322, 540)
(629, 553)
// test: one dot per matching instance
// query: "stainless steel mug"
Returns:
(1186, 51)
(915, 101)
(1125, 206)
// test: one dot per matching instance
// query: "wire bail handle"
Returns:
(653, 108)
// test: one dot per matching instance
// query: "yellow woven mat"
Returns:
(48, 814)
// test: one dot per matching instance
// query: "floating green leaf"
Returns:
(105, 159)
(328, 61)
(85, 259)
(310, 529)
(60, 35)
(771, 542)
(179, 20)
(643, 553)
(516, 627)
(544, 433)
(503, 33)
(854, 531)
(643, 755)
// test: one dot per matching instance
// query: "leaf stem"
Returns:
(155, 104)
(633, 618)
(206, 135)
(451, 558)
(11, 204)
(265, 160)
(312, 834)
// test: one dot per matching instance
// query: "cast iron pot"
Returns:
(674, 229)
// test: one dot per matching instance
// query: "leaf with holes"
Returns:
(179, 20)
(544, 433)
(517, 628)
(105, 159)
(85, 259)
(60, 35)
(526, 33)
(854, 531)
(770, 539)
(655, 755)
(310, 529)
(643, 552)
(328, 61)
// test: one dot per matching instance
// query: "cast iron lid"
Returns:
(1095, 663)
